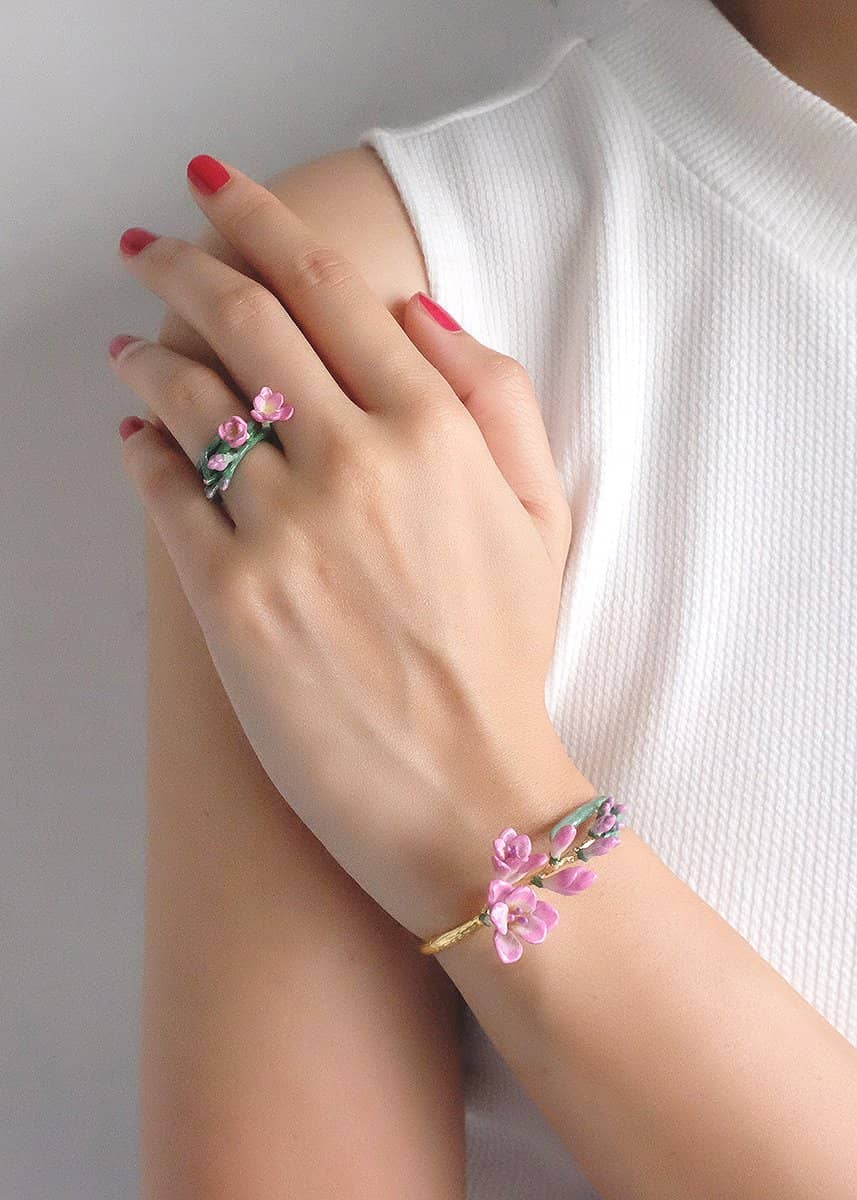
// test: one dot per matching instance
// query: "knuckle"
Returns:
(435, 425)
(506, 372)
(358, 475)
(551, 506)
(244, 303)
(339, 462)
(186, 388)
(319, 266)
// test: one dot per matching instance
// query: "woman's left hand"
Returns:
(378, 591)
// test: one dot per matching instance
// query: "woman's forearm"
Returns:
(291, 1043)
(672, 1059)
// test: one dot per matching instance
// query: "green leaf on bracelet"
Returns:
(579, 815)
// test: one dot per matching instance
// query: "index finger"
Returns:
(352, 331)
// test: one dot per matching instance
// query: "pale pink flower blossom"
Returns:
(218, 461)
(234, 431)
(513, 856)
(518, 916)
(270, 406)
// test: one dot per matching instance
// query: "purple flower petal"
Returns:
(520, 846)
(508, 948)
(499, 914)
(602, 845)
(523, 899)
(563, 839)
(547, 913)
(603, 823)
(498, 889)
(570, 881)
(530, 928)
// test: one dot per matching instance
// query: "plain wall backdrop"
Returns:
(103, 105)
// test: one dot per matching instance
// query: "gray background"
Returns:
(103, 105)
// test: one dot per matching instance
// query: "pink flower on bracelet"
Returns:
(518, 916)
(513, 856)
(516, 913)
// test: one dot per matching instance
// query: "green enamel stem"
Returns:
(579, 814)
(260, 433)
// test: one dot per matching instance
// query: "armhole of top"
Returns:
(431, 164)
(423, 176)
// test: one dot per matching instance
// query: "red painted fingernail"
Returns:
(207, 174)
(133, 240)
(120, 342)
(440, 314)
(130, 425)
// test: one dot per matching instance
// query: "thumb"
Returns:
(499, 394)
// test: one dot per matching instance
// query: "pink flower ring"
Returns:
(234, 431)
(270, 406)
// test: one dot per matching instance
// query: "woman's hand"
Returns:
(379, 592)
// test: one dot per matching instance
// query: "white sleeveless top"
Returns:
(662, 227)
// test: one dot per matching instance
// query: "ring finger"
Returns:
(193, 401)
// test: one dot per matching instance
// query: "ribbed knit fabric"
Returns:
(662, 227)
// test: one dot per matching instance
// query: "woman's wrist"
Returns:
(530, 789)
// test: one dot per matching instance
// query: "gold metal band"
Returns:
(443, 940)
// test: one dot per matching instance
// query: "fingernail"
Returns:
(207, 174)
(133, 240)
(130, 425)
(120, 342)
(440, 314)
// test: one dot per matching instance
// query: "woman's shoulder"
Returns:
(350, 200)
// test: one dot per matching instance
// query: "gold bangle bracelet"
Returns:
(581, 851)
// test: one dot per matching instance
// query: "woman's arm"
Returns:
(674, 1061)
(281, 1057)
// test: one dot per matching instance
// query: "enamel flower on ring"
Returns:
(268, 406)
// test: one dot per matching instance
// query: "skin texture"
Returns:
(814, 43)
(697, 1013)
(220, 1073)
(274, 1063)
(379, 601)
